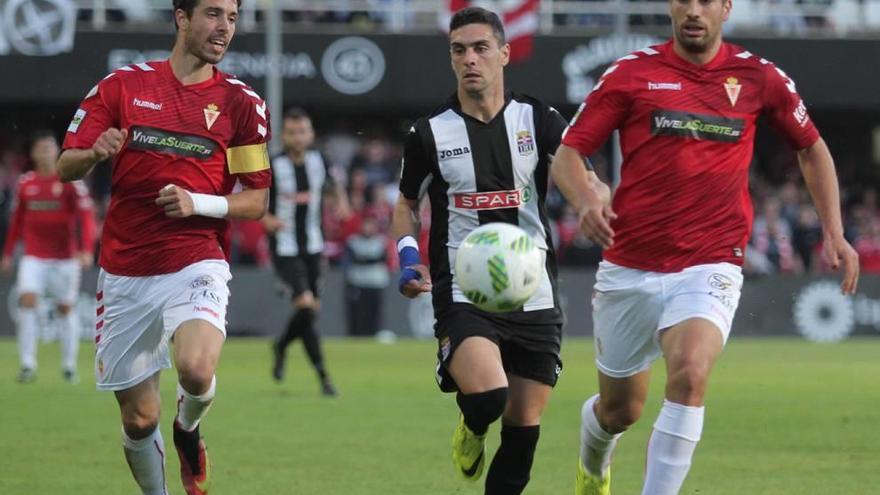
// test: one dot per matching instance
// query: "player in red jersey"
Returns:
(677, 228)
(180, 133)
(45, 219)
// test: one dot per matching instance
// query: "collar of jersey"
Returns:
(165, 68)
(455, 105)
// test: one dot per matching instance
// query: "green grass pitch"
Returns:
(783, 417)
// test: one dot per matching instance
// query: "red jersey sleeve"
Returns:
(786, 111)
(248, 154)
(97, 112)
(14, 232)
(601, 113)
(85, 213)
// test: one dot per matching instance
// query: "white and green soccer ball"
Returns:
(498, 267)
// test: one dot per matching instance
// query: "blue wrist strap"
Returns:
(408, 254)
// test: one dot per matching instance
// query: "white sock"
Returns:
(597, 445)
(70, 329)
(671, 448)
(28, 333)
(192, 408)
(146, 458)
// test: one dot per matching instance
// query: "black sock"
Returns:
(482, 409)
(509, 472)
(312, 344)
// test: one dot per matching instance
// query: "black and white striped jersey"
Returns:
(296, 198)
(476, 173)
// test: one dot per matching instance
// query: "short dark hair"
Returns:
(187, 6)
(41, 134)
(296, 113)
(478, 15)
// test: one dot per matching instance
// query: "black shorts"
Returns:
(300, 273)
(528, 350)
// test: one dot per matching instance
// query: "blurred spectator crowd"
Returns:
(786, 237)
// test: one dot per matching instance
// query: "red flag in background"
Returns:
(520, 18)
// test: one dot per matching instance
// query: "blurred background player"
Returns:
(484, 142)
(675, 235)
(46, 217)
(180, 134)
(301, 177)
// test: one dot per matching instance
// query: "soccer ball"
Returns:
(498, 267)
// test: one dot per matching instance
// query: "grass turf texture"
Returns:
(783, 417)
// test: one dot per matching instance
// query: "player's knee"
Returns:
(28, 300)
(483, 407)
(306, 300)
(195, 375)
(687, 383)
(140, 422)
(64, 309)
(617, 417)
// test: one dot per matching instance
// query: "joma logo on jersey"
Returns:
(494, 200)
(696, 126)
(151, 139)
(454, 152)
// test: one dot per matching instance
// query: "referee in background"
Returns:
(300, 178)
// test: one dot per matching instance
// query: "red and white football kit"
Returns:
(46, 217)
(687, 134)
(158, 272)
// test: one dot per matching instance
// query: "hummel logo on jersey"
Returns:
(146, 104)
(454, 153)
(667, 86)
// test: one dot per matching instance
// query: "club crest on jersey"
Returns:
(524, 143)
(211, 114)
(732, 87)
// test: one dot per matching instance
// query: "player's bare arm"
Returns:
(248, 204)
(74, 164)
(590, 196)
(404, 223)
(817, 165)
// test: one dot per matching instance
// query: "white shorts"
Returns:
(57, 279)
(631, 307)
(137, 317)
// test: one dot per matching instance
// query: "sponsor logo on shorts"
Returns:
(494, 200)
(558, 370)
(205, 295)
(696, 126)
(599, 347)
(725, 299)
(444, 349)
(204, 309)
(720, 282)
(151, 139)
(202, 281)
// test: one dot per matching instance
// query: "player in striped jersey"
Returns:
(301, 176)
(481, 157)
(180, 134)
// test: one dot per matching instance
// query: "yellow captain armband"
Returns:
(245, 159)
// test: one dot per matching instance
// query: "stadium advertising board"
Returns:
(410, 72)
(785, 305)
